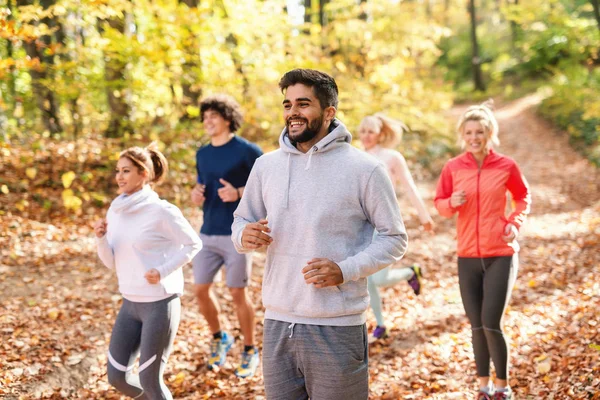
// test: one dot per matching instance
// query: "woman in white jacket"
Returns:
(146, 240)
(379, 135)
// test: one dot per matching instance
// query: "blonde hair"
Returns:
(390, 130)
(148, 159)
(483, 114)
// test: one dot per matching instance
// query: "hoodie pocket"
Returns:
(285, 291)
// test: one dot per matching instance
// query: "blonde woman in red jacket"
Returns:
(474, 185)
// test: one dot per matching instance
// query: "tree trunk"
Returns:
(363, 13)
(322, 15)
(514, 32)
(307, 11)
(232, 42)
(596, 11)
(192, 92)
(476, 60)
(114, 75)
(12, 90)
(44, 97)
(446, 12)
(65, 56)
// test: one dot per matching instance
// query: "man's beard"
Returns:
(309, 133)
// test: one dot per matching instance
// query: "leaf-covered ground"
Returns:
(58, 303)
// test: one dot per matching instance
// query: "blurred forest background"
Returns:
(81, 80)
(101, 75)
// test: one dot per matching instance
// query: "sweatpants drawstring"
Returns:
(291, 328)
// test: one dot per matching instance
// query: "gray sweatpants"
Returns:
(147, 329)
(313, 361)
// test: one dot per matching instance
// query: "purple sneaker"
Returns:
(503, 394)
(380, 332)
(415, 280)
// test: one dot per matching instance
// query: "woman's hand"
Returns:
(429, 225)
(458, 198)
(152, 276)
(510, 233)
(100, 227)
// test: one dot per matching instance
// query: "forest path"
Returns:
(59, 303)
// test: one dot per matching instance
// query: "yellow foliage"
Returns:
(70, 201)
(67, 179)
(31, 173)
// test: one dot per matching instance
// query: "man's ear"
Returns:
(330, 113)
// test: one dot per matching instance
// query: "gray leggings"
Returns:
(485, 287)
(147, 329)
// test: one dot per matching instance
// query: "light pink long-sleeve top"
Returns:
(399, 173)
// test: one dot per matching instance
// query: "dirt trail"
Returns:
(428, 355)
(559, 261)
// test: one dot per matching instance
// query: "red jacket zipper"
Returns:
(479, 168)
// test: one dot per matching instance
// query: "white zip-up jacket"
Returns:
(145, 232)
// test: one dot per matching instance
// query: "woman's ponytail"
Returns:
(160, 165)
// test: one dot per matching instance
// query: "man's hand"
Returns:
(322, 272)
(100, 228)
(198, 194)
(152, 276)
(254, 235)
(510, 233)
(228, 193)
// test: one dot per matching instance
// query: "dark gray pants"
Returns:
(485, 287)
(147, 329)
(317, 362)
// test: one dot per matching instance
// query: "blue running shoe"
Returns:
(250, 360)
(218, 350)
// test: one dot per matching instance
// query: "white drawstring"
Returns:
(286, 200)
(291, 328)
(310, 154)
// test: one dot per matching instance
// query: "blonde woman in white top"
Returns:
(146, 240)
(379, 135)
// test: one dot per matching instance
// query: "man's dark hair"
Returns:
(225, 105)
(323, 85)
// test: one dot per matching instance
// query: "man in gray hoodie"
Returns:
(315, 204)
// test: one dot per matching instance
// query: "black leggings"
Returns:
(485, 288)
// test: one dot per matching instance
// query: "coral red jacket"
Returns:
(481, 219)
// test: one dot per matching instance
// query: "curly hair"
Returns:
(225, 105)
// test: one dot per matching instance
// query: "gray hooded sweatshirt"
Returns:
(325, 203)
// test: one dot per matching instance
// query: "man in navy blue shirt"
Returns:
(223, 168)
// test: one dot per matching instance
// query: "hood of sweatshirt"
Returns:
(337, 136)
(132, 203)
